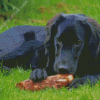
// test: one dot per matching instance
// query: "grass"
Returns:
(35, 12)
(8, 91)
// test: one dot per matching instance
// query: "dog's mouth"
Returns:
(63, 71)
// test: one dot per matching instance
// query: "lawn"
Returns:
(9, 92)
(37, 12)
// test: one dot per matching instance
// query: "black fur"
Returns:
(73, 47)
(23, 46)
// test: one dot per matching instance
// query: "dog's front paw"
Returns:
(38, 74)
(75, 83)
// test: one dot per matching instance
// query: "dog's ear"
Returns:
(93, 32)
(49, 43)
(51, 28)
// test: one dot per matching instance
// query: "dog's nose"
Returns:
(63, 69)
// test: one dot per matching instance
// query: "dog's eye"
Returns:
(78, 42)
(59, 40)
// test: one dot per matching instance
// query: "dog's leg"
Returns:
(87, 79)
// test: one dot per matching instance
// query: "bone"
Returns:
(54, 81)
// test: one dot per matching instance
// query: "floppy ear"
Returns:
(51, 29)
(93, 31)
(49, 44)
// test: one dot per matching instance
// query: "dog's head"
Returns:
(68, 37)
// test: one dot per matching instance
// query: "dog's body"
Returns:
(72, 46)
(23, 45)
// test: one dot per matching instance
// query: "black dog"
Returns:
(23, 46)
(72, 46)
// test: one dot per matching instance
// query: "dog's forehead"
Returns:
(74, 16)
(71, 19)
(71, 23)
(64, 25)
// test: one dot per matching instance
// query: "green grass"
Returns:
(35, 13)
(8, 91)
